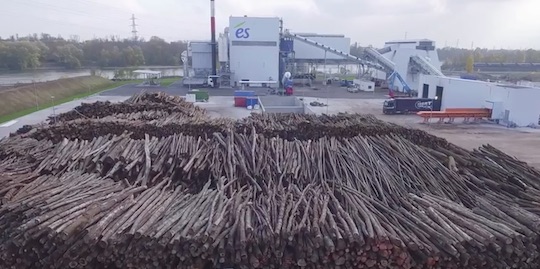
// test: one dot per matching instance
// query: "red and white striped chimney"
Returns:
(213, 31)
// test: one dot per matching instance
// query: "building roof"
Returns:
(511, 86)
(408, 41)
(320, 35)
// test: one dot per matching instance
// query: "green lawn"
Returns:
(164, 83)
(27, 111)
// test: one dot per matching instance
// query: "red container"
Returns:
(240, 101)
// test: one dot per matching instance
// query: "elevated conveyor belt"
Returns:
(384, 50)
(335, 51)
(376, 56)
(425, 66)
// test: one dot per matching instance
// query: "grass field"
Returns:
(21, 101)
(24, 100)
(165, 82)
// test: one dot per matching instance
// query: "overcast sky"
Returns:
(486, 23)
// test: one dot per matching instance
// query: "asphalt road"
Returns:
(42, 115)
(321, 92)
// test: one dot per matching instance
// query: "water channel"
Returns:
(12, 78)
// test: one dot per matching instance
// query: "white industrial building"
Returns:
(259, 49)
(254, 48)
(511, 105)
(410, 58)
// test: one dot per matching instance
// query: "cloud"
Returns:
(487, 23)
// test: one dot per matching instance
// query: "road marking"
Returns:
(9, 123)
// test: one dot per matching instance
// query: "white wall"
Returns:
(306, 51)
(254, 48)
(524, 106)
(523, 103)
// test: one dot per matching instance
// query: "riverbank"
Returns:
(42, 75)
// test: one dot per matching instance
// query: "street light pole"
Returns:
(54, 109)
(35, 94)
(431, 108)
(326, 82)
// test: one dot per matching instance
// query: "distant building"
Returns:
(507, 67)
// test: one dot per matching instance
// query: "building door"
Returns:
(425, 91)
(439, 96)
(506, 116)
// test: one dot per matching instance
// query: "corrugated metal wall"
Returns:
(201, 55)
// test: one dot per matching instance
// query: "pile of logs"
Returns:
(150, 104)
(269, 191)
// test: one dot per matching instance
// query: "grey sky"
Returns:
(487, 23)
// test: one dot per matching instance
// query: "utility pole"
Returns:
(134, 28)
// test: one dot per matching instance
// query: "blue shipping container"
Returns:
(251, 101)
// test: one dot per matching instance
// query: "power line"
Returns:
(84, 15)
(134, 28)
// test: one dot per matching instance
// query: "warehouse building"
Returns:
(511, 105)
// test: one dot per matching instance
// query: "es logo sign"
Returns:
(241, 32)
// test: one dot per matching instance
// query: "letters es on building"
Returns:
(241, 32)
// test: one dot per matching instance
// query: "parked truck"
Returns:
(410, 105)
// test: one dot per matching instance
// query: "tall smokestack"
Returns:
(213, 29)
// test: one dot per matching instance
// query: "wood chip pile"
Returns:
(269, 191)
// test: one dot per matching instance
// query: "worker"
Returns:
(287, 83)
(391, 93)
(452, 164)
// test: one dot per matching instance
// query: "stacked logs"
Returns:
(158, 103)
(269, 191)
(157, 119)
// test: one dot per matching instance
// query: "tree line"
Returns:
(45, 50)
(21, 53)
(462, 59)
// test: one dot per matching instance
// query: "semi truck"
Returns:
(410, 105)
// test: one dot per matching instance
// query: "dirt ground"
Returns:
(522, 143)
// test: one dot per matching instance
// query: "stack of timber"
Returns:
(268, 191)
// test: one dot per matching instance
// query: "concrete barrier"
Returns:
(281, 104)
(308, 110)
